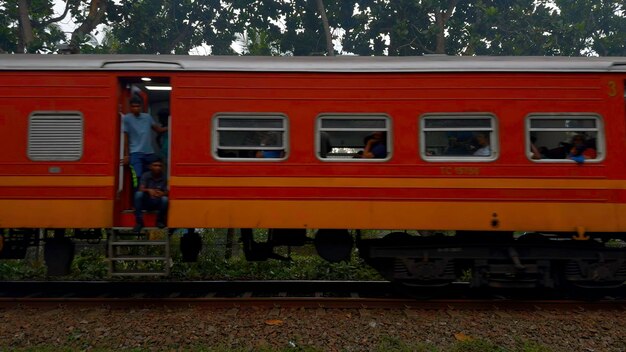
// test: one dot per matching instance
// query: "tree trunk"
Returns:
(26, 28)
(441, 18)
(230, 239)
(97, 9)
(329, 39)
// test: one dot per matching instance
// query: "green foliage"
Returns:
(176, 27)
(593, 27)
(615, 243)
(21, 270)
(364, 27)
(46, 35)
(526, 346)
(89, 264)
(212, 266)
(476, 346)
(487, 346)
(387, 344)
(397, 345)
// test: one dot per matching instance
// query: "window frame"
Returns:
(353, 116)
(57, 114)
(249, 115)
(494, 140)
(600, 139)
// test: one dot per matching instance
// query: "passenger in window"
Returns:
(535, 154)
(559, 152)
(457, 146)
(582, 149)
(375, 146)
(138, 149)
(359, 154)
(269, 139)
(152, 195)
(484, 149)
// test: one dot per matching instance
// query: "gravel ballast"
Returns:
(163, 328)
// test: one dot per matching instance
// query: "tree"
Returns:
(404, 27)
(489, 27)
(519, 27)
(297, 27)
(167, 27)
(592, 27)
(307, 27)
(95, 12)
(258, 43)
(29, 26)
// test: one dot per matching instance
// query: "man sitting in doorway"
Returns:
(152, 195)
(138, 148)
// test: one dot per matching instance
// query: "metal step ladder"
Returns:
(139, 255)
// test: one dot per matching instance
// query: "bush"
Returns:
(89, 264)
(17, 269)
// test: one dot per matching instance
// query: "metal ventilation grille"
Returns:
(55, 136)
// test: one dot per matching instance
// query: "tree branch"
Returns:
(179, 38)
(55, 19)
(97, 9)
(448, 14)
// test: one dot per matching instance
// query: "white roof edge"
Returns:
(355, 64)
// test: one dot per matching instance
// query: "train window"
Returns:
(250, 136)
(55, 136)
(458, 137)
(348, 137)
(564, 137)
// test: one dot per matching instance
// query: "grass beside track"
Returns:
(388, 344)
(215, 262)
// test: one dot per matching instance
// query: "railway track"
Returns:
(286, 294)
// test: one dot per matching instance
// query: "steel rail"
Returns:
(307, 294)
(456, 305)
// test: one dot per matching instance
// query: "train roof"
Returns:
(434, 63)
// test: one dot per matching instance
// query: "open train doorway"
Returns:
(153, 95)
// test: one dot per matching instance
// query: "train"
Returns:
(511, 168)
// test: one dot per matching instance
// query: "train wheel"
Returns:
(533, 237)
(430, 284)
(334, 245)
(419, 272)
(606, 274)
(190, 246)
(398, 237)
(58, 255)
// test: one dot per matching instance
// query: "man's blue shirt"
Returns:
(379, 151)
(139, 129)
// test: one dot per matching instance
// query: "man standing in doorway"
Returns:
(138, 150)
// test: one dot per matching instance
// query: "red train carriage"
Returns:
(482, 146)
